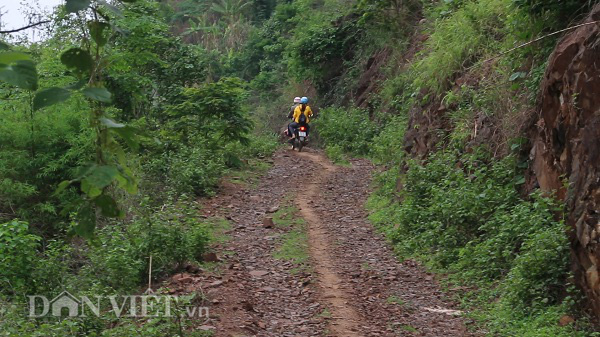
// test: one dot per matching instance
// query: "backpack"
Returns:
(302, 117)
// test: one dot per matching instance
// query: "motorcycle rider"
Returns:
(302, 115)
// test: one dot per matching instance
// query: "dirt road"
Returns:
(320, 269)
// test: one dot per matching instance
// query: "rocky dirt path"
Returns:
(354, 285)
(391, 298)
(345, 321)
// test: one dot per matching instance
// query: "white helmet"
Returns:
(297, 100)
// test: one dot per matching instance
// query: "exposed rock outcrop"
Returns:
(426, 128)
(566, 146)
(370, 79)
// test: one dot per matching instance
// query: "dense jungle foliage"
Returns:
(129, 107)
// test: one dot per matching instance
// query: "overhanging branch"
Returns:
(23, 28)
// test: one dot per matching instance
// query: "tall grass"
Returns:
(456, 42)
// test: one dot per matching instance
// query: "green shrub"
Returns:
(462, 215)
(116, 261)
(17, 256)
(336, 154)
(261, 145)
(198, 168)
(172, 235)
(37, 152)
(14, 322)
(387, 147)
(54, 267)
(539, 272)
(321, 47)
(557, 13)
(195, 169)
(157, 327)
(350, 129)
(505, 234)
(206, 132)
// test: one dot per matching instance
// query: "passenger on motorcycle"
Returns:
(301, 117)
(296, 103)
(291, 115)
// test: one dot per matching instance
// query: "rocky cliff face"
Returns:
(566, 145)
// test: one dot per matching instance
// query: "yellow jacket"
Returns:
(308, 112)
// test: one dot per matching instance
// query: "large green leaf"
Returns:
(78, 59)
(73, 6)
(108, 206)
(50, 96)
(114, 9)
(97, 32)
(94, 178)
(89, 189)
(13, 56)
(77, 85)
(62, 186)
(111, 124)
(83, 171)
(98, 94)
(129, 184)
(129, 135)
(101, 176)
(22, 74)
(517, 75)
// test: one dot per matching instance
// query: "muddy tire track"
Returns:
(345, 321)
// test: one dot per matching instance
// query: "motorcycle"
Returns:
(301, 138)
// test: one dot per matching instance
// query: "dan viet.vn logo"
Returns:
(147, 305)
